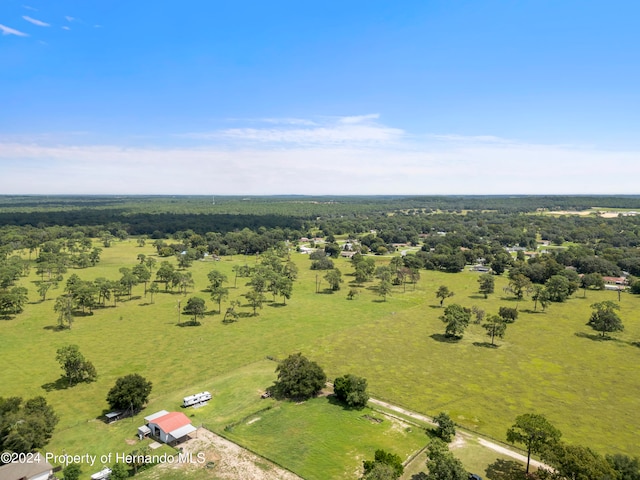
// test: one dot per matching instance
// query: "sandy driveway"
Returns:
(226, 460)
(486, 443)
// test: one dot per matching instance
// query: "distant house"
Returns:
(167, 427)
(39, 469)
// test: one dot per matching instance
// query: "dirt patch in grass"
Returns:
(226, 460)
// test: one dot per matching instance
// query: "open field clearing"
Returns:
(549, 363)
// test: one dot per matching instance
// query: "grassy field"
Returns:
(549, 362)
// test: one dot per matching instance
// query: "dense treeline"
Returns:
(313, 206)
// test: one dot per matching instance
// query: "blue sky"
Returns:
(325, 97)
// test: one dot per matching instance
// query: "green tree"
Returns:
(153, 289)
(353, 292)
(508, 314)
(540, 295)
(441, 463)
(216, 279)
(43, 288)
(576, 462)
(558, 287)
(165, 273)
(457, 320)
(298, 378)
(442, 293)
(519, 285)
(487, 284)
(627, 468)
(64, 308)
(255, 299)
(25, 427)
(365, 268)
(195, 306)
(142, 275)
(534, 432)
(604, 319)
(218, 294)
(384, 289)
(76, 368)
(119, 471)
(380, 471)
(591, 280)
(334, 279)
(283, 286)
(72, 472)
(385, 458)
(231, 315)
(495, 327)
(446, 429)
(129, 392)
(351, 390)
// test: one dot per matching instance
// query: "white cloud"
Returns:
(65, 28)
(330, 168)
(30, 8)
(10, 31)
(472, 138)
(69, 19)
(37, 22)
(299, 132)
(360, 118)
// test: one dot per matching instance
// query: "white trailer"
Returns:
(195, 399)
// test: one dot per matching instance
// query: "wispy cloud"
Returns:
(69, 19)
(10, 31)
(65, 28)
(472, 139)
(402, 167)
(30, 8)
(35, 21)
(360, 130)
(360, 118)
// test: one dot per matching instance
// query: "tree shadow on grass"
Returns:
(439, 337)
(478, 297)
(60, 384)
(419, 476)
(277, 305)
(485, 344)
(596, 337)
(55, 328)
(436, 306)
(189, 323)
(505, 470)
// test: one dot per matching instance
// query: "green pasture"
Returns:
(319, 440)
(549, 362)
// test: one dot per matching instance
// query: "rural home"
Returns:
(168, 427)
(39, 469)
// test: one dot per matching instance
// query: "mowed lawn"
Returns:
(318, 439)
(549, 363)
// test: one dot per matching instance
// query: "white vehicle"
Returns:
(102, 474)
(195, 399)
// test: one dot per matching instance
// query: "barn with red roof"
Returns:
(168, 427)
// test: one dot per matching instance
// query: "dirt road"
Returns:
(486, 443)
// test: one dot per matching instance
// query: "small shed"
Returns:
(113, 417)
